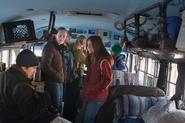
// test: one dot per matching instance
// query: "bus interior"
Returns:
(142, 27)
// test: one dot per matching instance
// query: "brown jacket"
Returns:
(52, 62)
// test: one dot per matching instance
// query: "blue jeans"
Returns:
(130, 120)
(90, 111)
(56, 92)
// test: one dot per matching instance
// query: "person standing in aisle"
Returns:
(120, 59)
(52, 65)
(99, 77)
(80, 54)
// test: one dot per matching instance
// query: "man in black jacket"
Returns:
(19, 101)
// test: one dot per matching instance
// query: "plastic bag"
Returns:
(60, 120)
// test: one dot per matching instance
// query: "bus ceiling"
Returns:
(92, 13)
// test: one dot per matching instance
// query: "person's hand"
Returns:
(38, 86)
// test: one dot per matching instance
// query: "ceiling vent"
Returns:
(76, 13)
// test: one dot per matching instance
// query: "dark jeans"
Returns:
(130, 120)
(56, 92)
(71, 100)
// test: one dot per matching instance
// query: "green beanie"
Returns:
(116, 49)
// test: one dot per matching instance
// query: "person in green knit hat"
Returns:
(120, 59)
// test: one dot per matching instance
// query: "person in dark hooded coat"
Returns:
(20, 102)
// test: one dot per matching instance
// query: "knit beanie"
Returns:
(26, 58)
(116, 49)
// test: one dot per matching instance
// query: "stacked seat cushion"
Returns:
(131, 106)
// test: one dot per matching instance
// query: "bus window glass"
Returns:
(5, 57)
(13, 55)
(172, 78)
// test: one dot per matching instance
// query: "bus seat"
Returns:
(106, 112)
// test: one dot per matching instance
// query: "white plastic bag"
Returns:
(157, 111)
(180, 44)
(60, 120)
(176, 116)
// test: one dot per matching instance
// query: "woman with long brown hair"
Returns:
(99, 76)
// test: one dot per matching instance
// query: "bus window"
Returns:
(148, 70)
(5, 57)
(172, 77)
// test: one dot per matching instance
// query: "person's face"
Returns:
(31, 71)
(67, 39)
(61, 37)
(84, 44)
(89, 47)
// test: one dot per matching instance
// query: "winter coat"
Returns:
(98, 81)
(120, 63)
(19, 103)
(53, 62)
(69, 74)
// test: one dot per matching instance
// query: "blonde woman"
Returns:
(79, 51)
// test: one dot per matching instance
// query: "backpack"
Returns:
(101, 63)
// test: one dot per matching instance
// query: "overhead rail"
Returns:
(148, 9)
(164, 46)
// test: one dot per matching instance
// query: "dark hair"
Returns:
(61, 28)
(99, 48)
